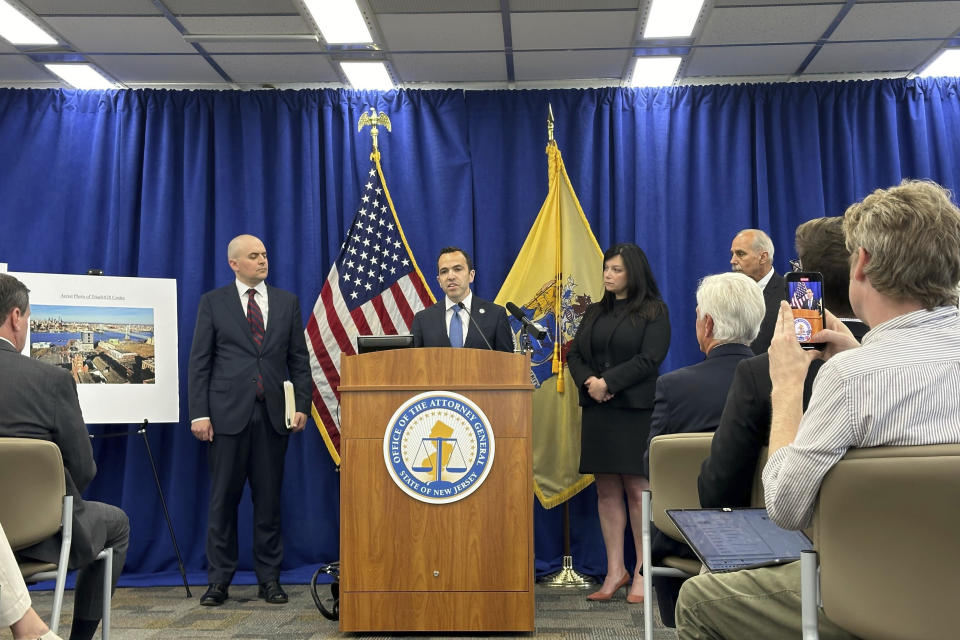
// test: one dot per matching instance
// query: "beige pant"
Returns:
(753, 603)
(14, 597)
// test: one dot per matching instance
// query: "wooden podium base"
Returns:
(437, 611)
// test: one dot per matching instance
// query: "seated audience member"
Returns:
(15, 609)
(730, 309)
(40, 401)
(726, 477)
(898, 389)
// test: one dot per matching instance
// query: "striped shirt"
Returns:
(901, 388)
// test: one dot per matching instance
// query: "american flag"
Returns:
(374, 288)
(799, 294)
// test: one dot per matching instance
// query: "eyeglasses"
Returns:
(795, 265)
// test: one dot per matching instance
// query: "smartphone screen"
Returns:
(805, 295)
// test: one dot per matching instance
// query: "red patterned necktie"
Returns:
(255, 320)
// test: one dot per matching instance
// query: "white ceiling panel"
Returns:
(574, 30)
(145, 69)
(749, 25)
(20, 69)
(267, 46)
(432, 6)
(233, 25)
(121, 35)
(563, 65)
(442, 31)
(228, 7)
(274, 69)
(571, 5)
(747, 61)
(877, 21)
(871, 56)
(92, 7)
(6, 47)
(451, 67)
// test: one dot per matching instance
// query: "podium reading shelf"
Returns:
(407, 565)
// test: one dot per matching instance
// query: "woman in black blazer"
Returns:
(614, 359)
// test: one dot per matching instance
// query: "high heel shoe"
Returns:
(602, 596)
(632, 599)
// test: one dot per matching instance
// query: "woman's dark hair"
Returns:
(643, 295)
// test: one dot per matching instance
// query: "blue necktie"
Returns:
(456, 329)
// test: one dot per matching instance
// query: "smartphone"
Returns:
(805, 295)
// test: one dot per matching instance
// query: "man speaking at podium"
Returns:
(461, 319)
(248, 339)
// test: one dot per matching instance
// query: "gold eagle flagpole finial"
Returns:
(373, 120)
(549, 122)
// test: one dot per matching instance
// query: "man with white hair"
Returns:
(729, 311)
(751, 253)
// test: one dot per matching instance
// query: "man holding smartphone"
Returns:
(906, 293)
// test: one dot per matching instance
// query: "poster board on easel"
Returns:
(117, 336)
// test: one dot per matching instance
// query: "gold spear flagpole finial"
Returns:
(373, 119)
(549, 122)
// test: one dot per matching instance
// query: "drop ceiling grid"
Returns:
(751, 25)
(442, 31)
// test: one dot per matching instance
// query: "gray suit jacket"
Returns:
(38, 400)
(430, 326)
(224, 360)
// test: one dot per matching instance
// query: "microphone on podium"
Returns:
(534, 329)
(474, 323)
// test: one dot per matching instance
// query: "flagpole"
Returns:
(567, 576)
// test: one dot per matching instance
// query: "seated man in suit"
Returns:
(461, 319)
(729, 311)
(751, 253)
(898, 389)
(40, 401)
(726, 477)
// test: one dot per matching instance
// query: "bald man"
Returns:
(751, 253)
(248, 340)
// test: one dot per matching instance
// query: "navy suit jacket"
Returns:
(688, 400)
(430, 326)
(38, 400)
(773, 294)
(224, 360)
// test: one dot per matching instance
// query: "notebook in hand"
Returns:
(734, 539)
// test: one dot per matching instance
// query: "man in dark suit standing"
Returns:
(248, 340)
(448, 323)
(40, 401)
(729, 311)
(751, 252)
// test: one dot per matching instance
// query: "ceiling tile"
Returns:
(871, 56)
(748, 25)
(759, 3)
(746, 61)
(275, 69)
(231, 25)
(121, 35)
(145, 69)
(878, 21)
(265, 46)
(21, 69)
(571, 5)
(442, 31)
(450, 67)
(569, 65)
(433, 6)
(230, 7)
(574, 30)
(92, 7)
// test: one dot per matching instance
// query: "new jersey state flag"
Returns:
(558, 272)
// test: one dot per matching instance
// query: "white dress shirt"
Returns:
(260, 296)
(451, 305)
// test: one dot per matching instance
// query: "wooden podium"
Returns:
(407, 565)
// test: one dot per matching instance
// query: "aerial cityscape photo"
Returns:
(98, 345)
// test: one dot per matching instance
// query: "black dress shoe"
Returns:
(272, 592)
(215, 596)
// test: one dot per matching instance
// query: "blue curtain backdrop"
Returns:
(155, 183)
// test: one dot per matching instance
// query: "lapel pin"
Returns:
(482, 311)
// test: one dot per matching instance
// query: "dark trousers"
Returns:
(256, 454)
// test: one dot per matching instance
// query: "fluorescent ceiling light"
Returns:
(340, 21)
(946, 64)
(655, 71)
(672, 18)
(367, 75)
(81, 76)
(16, 28)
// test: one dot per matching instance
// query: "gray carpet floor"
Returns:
(165, 612)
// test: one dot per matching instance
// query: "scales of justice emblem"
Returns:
(438, 447)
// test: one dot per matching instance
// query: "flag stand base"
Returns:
(567, 576)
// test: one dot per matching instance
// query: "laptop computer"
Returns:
(734, 539)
